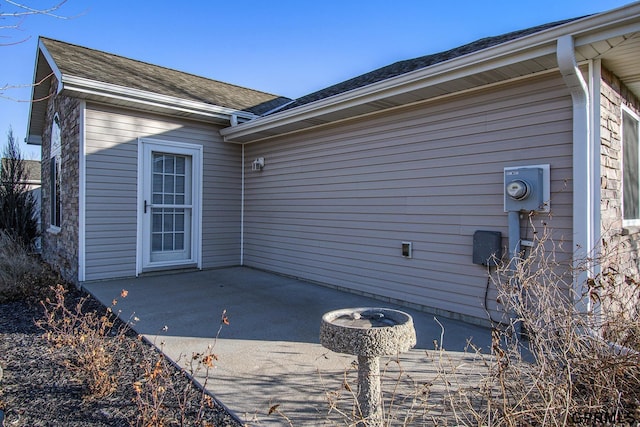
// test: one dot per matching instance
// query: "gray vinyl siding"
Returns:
(111, 188)
(333, 205)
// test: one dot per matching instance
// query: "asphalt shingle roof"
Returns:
(117, 70)
(406, 66)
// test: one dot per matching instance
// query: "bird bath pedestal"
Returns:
(368, 333)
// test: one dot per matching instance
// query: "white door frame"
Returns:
(145, 147)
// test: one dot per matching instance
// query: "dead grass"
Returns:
(92, 339)
(22, 274)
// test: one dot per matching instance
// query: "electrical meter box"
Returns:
(524, 189)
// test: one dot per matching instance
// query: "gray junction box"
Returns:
(487, 247)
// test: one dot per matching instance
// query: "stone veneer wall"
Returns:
(60, 249)
(620, 244)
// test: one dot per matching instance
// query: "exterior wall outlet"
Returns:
(407, 249)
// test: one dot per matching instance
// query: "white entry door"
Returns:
(170, 208)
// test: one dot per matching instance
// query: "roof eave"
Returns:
(438, 73)
(120, 95)
(91, 89)
(585, 30)
(40, 92)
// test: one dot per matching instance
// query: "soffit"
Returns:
(620, 55)
(40, 92)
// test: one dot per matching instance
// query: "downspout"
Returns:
(242, 212)
(582, 169)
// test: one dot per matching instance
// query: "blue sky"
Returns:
(288, 47)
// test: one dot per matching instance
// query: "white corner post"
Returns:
(82, 193)
(582, 169)
(242, 212)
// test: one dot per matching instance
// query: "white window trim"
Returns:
(624, 109)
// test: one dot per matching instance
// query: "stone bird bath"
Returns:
(368, 333)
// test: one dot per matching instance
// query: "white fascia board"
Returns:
(136, 96)
(438, 73)
(33, 139)
(54, 67)
(37, 139)
(594, 28)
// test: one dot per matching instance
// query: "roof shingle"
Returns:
(108, 68)
(406, 66)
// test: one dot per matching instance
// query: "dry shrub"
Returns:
(166, 395)
(163, 400)
(575, 366)
(22, 274)
(93, 338)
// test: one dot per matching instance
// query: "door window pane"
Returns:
(180, 222)
(168, 163)
(156, 242)
(180, 165)
(179, 184)
(157, 163)
(157, 183)
(179, 241)
(167, 244)
(168, 184)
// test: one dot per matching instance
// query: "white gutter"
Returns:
(438, 73)
(91, 87)
(582, 168)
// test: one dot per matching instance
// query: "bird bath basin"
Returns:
(368, 333)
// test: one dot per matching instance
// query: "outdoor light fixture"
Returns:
(258, 164)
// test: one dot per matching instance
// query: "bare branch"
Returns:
(6, 87)
(22, 11)
(14, 43)
(11, 27)
(28, 10)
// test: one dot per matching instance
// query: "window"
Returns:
(630, 163)
(55, 202)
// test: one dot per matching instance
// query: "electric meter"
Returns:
(518, 189)
(523, 189)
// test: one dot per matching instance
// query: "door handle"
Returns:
(145, 206)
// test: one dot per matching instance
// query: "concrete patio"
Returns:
(269, 354)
